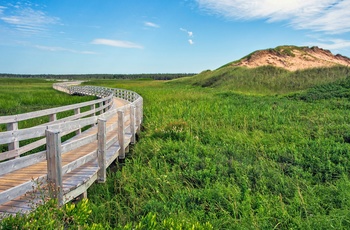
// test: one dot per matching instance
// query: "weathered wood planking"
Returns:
(79, 161)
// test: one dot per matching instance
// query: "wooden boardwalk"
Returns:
(66, 170)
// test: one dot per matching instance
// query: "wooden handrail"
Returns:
(128, 121)
(14, 135)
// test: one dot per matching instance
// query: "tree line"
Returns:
(154, 76)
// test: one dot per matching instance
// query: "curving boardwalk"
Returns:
(69, 151)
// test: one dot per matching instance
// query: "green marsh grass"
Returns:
(26, 95)
(234, 161)
(211, 158)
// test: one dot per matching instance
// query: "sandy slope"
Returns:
(302, 58)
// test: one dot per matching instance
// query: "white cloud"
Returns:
(331, 16)
(2, 8)
(332, 43)
(57, 49)
(116, 43)
(190, 35)
(27, 19)
(151, 24)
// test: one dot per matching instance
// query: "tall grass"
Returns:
(234, 161)
(215, 159)
(26, 95)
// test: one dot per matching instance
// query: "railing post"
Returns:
(132, 124)
(53, 117)
(141, 110)
(101, 151)
(121, 134)
(93, 107)
(101, 105)
(54, 165)
(77, 111)
(138, 116)
(15, 144)
(104, 110)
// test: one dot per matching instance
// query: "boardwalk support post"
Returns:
(132, 124)
(15, 144)
(54, 165)
(101, 151)
(121, 134)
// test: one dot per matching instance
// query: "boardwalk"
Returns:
(66, 170)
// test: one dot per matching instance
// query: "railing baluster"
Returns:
(121, 134)
(101, 151)
(15, 144)
(132, 124)
(53, 117)
(54, 164)
(77, 111)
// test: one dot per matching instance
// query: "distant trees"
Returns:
(154, 76)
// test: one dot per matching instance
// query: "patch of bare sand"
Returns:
(302, 58)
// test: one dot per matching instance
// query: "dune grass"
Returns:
(266, 79)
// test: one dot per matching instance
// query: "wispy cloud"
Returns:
(332, 43)
(60, 49)
(26, 19)
(151, 24)
(116, 43)
(330, 16)
(190, 35)
(2, 8)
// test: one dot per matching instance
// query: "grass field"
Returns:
(211, 158)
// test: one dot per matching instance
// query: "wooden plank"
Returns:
(17, 191)
(23, 134)
(78, 177)
(31, 146)
(112, 140)
(30, 115)
(73, 125)
(112, 154)
(78, 143)
(70, 118)
(124, 121)
(22, 162)
(79, 162)
(81, 189)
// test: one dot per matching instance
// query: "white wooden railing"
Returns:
(99, 113)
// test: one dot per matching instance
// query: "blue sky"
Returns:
(160, 36)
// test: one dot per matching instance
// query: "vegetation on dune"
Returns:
(285, 50)
(217, 159)
(266, 79)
